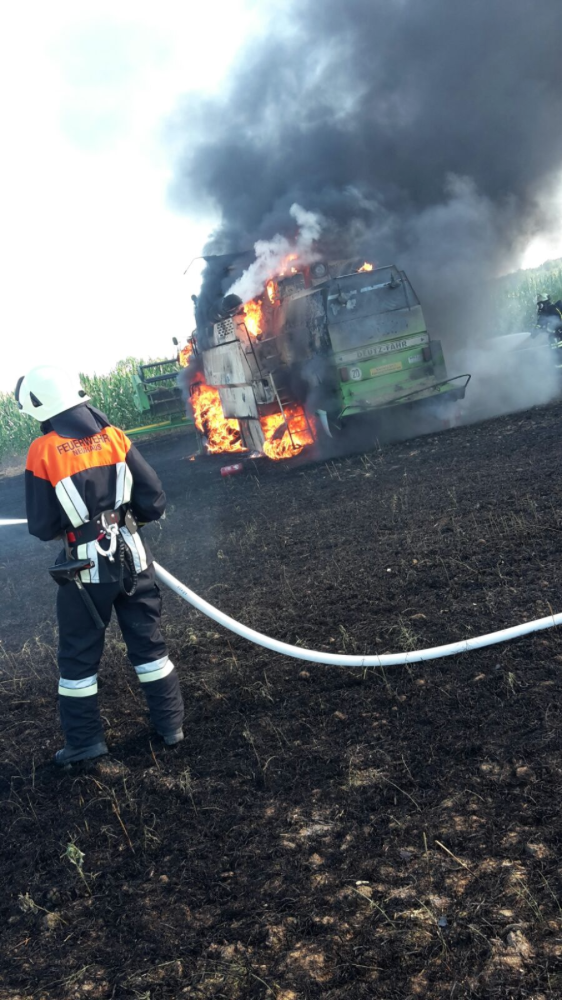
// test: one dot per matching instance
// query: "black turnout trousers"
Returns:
(81, 647)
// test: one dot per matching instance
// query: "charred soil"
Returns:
(322, 832)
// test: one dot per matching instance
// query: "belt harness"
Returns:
(104, 528)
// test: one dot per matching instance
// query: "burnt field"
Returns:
(322, 832)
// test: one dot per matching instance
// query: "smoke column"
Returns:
(424, 132)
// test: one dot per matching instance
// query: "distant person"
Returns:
(547, 308)
(88, 485)
(549, 317)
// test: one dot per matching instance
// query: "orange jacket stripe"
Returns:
(54, 458)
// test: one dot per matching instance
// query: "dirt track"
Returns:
(322, 832)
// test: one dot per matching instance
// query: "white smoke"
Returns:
(509, 373)
(271, 254)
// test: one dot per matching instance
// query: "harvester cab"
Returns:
(381, 353)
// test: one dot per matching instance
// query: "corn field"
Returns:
(113, 394)
(516, 296)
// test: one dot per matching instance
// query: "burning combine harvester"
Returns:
(323, 345)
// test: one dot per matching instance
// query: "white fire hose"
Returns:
(340, 659)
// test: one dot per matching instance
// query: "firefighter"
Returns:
(547, 308)
(87, 484)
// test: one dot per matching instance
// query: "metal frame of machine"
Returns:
(160, 396)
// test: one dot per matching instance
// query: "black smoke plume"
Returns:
(426, 132)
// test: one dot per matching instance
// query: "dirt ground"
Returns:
(322, 832)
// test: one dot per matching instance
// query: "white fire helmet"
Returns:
(47, 391)
(543, 297)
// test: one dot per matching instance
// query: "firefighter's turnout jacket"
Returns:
(550, 309)
(81, 467)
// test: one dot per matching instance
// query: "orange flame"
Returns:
(253, 315)
(285, 435)
(366, 267)
(285, 264)
(184, 355)
(279, 443)
(221, 434)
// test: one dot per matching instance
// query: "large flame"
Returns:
(286, 435)
(223, 436)
(184, 354)
(279, 443)
(366, 267)
(253, 317)
(220, 434)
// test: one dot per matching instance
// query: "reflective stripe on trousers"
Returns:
(155, 670)
(81, 647)
(78, 689)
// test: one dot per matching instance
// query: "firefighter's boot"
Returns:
(172, 739)
(72, 755)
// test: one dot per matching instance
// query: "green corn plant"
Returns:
(113, 394)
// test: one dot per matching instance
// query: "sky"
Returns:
(92, 252)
